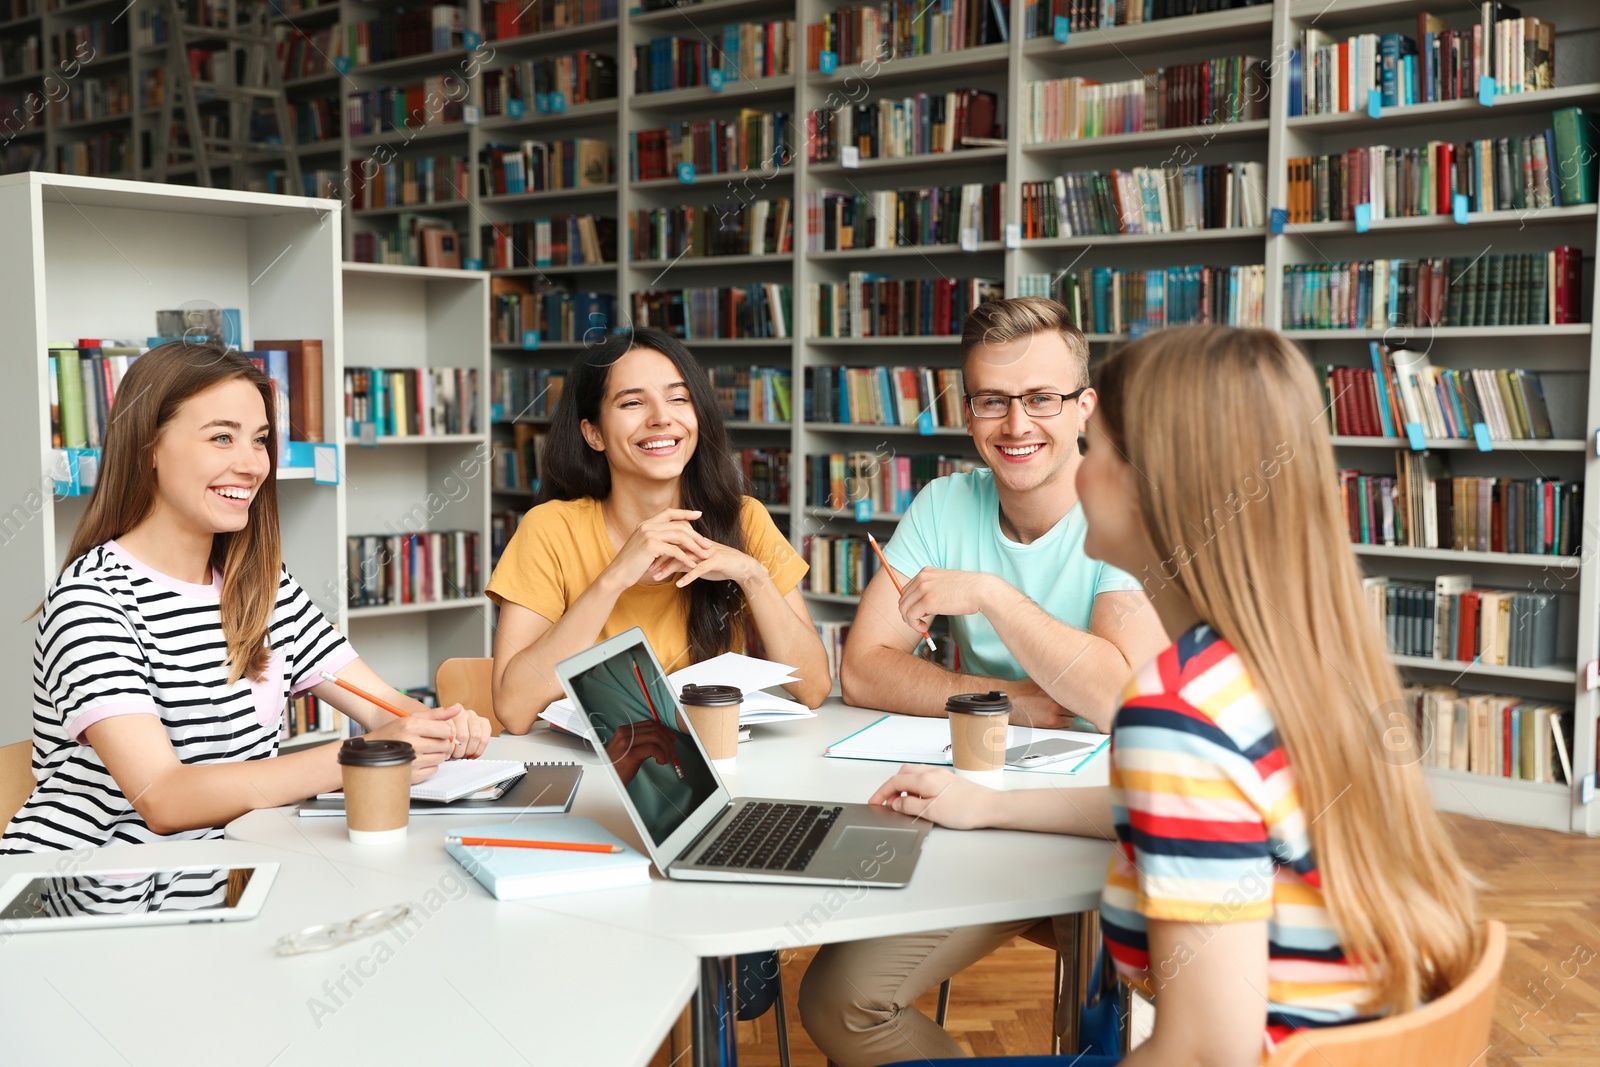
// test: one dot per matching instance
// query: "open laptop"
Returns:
(692, 827)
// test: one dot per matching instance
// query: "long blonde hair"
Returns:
(1238, 489)
(156, 385)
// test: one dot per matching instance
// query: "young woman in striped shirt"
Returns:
(172, 639)
(1278, 863)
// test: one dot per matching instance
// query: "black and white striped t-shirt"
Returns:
(117, 638)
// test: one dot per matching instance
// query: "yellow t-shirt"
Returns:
(561, 546)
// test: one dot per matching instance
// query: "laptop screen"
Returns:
(631, 709)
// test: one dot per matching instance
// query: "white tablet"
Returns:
(152, 896)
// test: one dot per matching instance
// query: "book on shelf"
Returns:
(765, 472)
(1493, 734)
(83, 387)
(1489, 289)
(308, 714)
(897, 29)
(925, 397)
(506, 19)
(918, 125)
(1109, 300)
(875, 305)
(557, 241)
(755, 141)
(583, 77)
(1573, 130)
(302, 53)
(87, 40)
(746, 311)
(402, 108)
(1420, 506)
(542, 166)
(199, 324)
(398, 33)
(102, 155)
(1439, 63)
(1039, 16)
(524, 393)
(304, 390)
(93, 98)
(759, 50)
(841, 566)
(516, 465)
(752, 394)
(532, 311)
(898, 218)
(1447, 618)
(733, 228)
(1211, 91)
(887, 484)
(314, 119)
(410, 401)
(388, 570)
(418, 181)
(275, 362)
(415, 241)
(1167, 199)
(502, 524)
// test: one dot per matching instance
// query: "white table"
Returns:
(963, 878)
(467, 980)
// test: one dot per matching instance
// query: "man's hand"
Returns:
(940, 592)
(1032, 706)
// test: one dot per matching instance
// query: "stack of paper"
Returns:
(731, 668)
(914, 739)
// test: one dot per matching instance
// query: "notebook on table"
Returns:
(536, 789)
(519, 873)
(914, 739)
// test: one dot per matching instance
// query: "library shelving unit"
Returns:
(401, 318)
(96, 257)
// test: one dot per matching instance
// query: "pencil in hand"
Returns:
(873, 541)
(368, 697)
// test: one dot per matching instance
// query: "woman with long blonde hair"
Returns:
(1278, 863)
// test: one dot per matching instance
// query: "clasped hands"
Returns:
(666, 544)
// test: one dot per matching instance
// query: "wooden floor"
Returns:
(1544, 886)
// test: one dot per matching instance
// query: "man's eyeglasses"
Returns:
(1034, 405)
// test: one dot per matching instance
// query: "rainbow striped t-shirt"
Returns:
(1210, 830)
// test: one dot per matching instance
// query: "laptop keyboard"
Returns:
(771, 837)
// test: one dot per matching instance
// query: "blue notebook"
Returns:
(518, 873)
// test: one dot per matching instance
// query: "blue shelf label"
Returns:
(514, 108)
(925, 422)
(1486, 90)
(1374, 104)
(829, 62)
(714, 79)
(1461, 208)
(472, 264)
(558, 102)
(341, 64)
(1414, 435)
(541, 103)
(1480, 433)
(497, 412)
(530, 339)
(471, 39)
(1137, 329)
(1363, 218)
(470, 114)
(863, 511)
(1063, 28)
(686, 173)
(1278, 218)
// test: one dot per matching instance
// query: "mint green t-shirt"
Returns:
(954, 524)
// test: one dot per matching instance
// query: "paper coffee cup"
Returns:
(978, 729)
(713, 712)
(377, 789)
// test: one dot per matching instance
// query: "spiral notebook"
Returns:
(537, 789)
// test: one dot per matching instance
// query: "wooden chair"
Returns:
(470, 683)
(16, 779)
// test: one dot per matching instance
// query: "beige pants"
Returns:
(856, 998)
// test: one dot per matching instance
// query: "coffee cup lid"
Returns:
(994, 702)
(711, 696)
(360, 752)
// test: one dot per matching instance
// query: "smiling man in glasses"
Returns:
(999, 551)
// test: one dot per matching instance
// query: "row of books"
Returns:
(1420, 506)
(841, 566)
(314, 118)
(429, 102)
(875, 305)
(898, 218)
(540, 166)
(765, 472)
(887, 484)
(1146, 200)
(506, 19)
(305, 53)
(11, 10)
(1110, 300)
(756, 140)
(580, 78)
(409, 182)
(83, 385)
(401, 32)
(387, 570)
(93, 98)
(1514, 289)
(87, 39)
(746, 50)
(753, 394)
(530, 312)
(744, 311)
(307, 714)
(733, 228)
(502, 524)
(1513, 405)
(925, 397)
(410, 401)
(415, 241)
(558, 241)
(516, 466)
(1040, 16)
(894, 29)
(517, 393)
(1447, 618)
(1493, 734)
(104, 154)
(1229, 89)
(1335, 76)
(918, 125)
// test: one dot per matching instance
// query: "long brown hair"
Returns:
(1238, 490)
(157, 384)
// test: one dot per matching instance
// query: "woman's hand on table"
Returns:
(940, 796)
